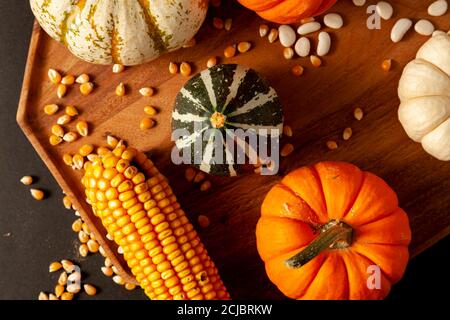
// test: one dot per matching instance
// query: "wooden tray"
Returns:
(318, 106)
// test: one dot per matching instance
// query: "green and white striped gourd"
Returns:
(128, 32)
(224, 97)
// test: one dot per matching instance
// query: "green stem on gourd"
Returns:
(333, 235)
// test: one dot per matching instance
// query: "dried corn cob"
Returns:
(142, 214)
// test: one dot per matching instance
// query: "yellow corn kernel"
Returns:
(68, 80)
(54, 76)
(86, 88)
(71, 111)
(51, 109)
(82, 128)
(55, 140)
(120, 90)
(86, 150)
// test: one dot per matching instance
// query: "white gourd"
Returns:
(128, 32)
(424, 92)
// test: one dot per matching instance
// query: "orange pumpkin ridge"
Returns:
(360, 225)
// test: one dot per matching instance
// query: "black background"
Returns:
(33, 234)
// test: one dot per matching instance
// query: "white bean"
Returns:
(438, 32)
(385, 10)
(303, 47)
(400, 28)
(438, 8)
(324, 45)
(333, 21)
(359, 3)
(424, 27)
(287, 35)
(309, 27)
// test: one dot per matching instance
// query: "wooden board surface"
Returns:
(318, 106)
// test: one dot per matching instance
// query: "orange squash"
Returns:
(287, 11)
(326, 230)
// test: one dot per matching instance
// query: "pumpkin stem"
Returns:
(333, 235)
(218, 120)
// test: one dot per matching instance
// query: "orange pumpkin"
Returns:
(326, 230)
(287, 11)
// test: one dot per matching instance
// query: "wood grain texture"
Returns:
(318, 106)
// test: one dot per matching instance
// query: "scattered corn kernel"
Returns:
(54, 266)
(54, 76)
(185, 69)
(118, 68)
(230, 51)
(203, 221)
(173, 68)
(55, 140)
(51, 296)
(108, 262)
(78, 161)
(68, 80)
(332, 145)
(86, 88)
(190, 174)
(64, 119)
(67, 296)
(27, 180)
(67, 159)
(112, 141)
(287, 130)
(150, 110)
(83, 236)
(82, 128)
(146, 91)
(74, 287)
(86, 149)
(211, 62)
(118, 280)
(315, 61)
(51, 109)
(90, 289)
(347, 134)
(146, 123)
(273, 35)
(287, 149)
(76, 225)
(67, 265)
(386, 65)
(297, 70)
(61, 91)
(82, 79)
(263, 30)
(107, 271)
(120, 90)
(130, 286)
(42, 296)
(67, 203)
(59, 289)
(92, 246)
(244, 46)
(227, 24)
(70, 136)
(288, 53)
(83, 250)
(199, 177)
(206, 185)
(71, 111)
(217, 23)
(57, 130)
(358, 114)
(62, 280)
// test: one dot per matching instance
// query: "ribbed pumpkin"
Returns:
(287, 11)
(129, 32)
(220, 98)
(424, 92)
(323, 227)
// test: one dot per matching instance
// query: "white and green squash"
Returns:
(222, 99)
(128, 32)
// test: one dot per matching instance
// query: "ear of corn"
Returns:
(140, 211)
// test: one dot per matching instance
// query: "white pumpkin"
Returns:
(129, 32)
(424, 92)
